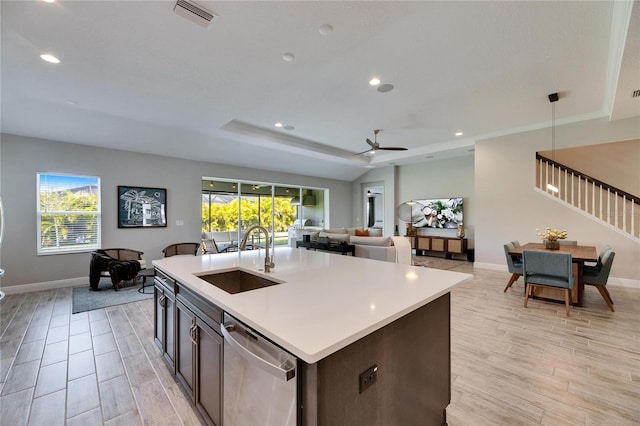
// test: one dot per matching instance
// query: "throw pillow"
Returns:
(362, 233)
(375, 232)
(335, 238)
(335, 231)
(371, 241)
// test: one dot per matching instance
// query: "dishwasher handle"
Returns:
(284, 374)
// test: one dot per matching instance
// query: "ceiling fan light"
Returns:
(374, 81)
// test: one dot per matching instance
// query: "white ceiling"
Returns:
(136, 76)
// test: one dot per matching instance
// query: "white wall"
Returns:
(383, 177)
(448, 178)
(23, 157)
(507, 207)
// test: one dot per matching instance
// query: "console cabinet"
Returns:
(446, 245)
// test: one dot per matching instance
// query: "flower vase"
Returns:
(460, 232)
(552, 245)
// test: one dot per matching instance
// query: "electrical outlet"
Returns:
(368, 378)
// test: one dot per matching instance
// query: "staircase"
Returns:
(604, 203)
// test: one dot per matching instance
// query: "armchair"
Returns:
(119, 264)
(181, 248)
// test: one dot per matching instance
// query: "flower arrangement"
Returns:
(550, 234)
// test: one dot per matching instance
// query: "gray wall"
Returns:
(507, 207)
(23, 157)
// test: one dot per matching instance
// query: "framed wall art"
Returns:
(140, 207)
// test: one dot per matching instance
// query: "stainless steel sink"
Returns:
(237, 281)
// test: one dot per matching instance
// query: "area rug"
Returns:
(85, 300)
(437, 262)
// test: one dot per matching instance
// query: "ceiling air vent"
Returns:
(636, 93)
(194, 12)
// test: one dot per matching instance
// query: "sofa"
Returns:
(369, 243)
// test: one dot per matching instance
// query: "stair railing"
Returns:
(607, 203)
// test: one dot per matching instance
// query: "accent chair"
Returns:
(598, 277)
(514, 263)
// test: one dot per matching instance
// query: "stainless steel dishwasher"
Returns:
(259, 379)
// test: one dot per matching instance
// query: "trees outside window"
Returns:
(68, 213)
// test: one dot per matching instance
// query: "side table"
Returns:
(144, 273)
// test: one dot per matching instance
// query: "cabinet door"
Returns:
(438, 244)
(159, 315)
(424, 243)
(455, 246)
(169, 329)
(185, 351)
(209, 372)
(164, 312)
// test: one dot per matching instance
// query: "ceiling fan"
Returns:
(375, 146)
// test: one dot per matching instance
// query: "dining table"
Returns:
(579, 255)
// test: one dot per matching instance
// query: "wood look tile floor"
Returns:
(510, 365)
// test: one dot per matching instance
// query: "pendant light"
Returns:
(553, 98)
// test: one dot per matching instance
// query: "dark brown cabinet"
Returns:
(164, 333)
(446, 245)
(199, 360)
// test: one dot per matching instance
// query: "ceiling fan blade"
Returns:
(373, 145)
(364, 152)
(392, 148)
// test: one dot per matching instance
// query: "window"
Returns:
(68, 211)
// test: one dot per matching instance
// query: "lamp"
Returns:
(553, 97)
(406, 211)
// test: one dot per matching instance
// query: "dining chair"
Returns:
(550, 270)
(514, 263)
(181, 248)
(598, 276)
(598, 265)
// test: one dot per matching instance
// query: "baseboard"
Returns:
(46, 285)
(613, 281)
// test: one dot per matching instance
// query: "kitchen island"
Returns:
(339, 316)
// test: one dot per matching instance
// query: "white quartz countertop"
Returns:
(325, 301)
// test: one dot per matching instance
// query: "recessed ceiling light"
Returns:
(369, 166)
(278, 124)
(374, 81)
(429, 156)
(385, 88)
(289, 128)
(459, 133)
(288, 57)
(325, 29)
(49, 58)
(49, 1)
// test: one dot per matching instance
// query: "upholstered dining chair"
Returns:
(514, 263)
(598, 265)
(547, 269)
(181, 248)
(598, 276)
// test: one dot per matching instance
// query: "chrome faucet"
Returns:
(268, 264)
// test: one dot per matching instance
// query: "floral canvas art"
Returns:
(438, 213)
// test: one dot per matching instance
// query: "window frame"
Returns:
(42, 251)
